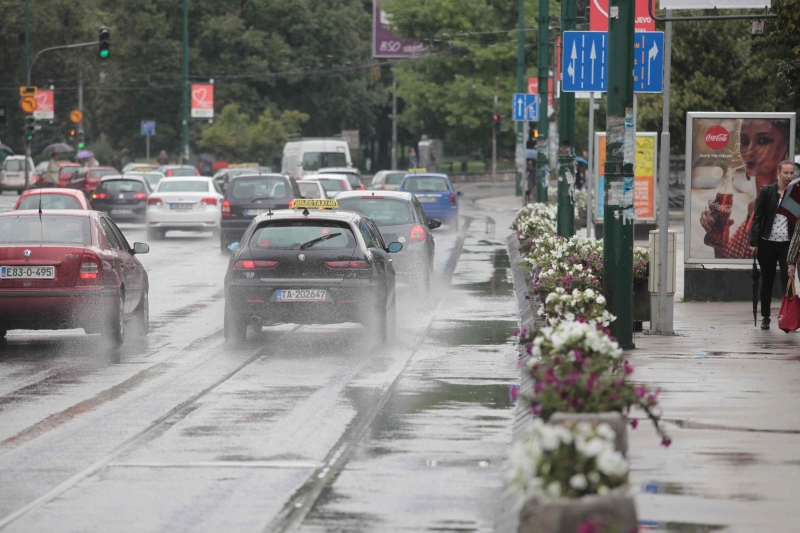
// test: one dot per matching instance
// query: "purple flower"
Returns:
(634, 423)
(586, 527)
(640, 391)
(666, 441)
(628, 368)
(611, 397)
(591, 382)
(538, 387)
(537, 410)
(573, 377)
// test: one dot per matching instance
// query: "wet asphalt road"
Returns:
(312, 428)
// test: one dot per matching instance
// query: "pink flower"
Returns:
(513, 392)
(634, 423)
(611, 397)
(628, 368)
(537, 410)
(640, 391)
(579, 356)
(591, 382)
(666, 441)
(586, 527)
(539, 387)
(550, 376)
(573, 377)
(618, 382)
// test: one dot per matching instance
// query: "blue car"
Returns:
(436, 195)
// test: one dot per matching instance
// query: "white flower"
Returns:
(570, 317)
(612, 463)
(604, 430)
(594, 477)
(578, 482)
(553, 489)
(590, 294)
(549, 438)
(578, 267)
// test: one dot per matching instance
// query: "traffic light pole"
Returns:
(620, 156)
(566, 148)
(542, 164)
(520, 152)
(186, 80)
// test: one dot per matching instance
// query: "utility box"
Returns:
(431, 154)
(653, 276)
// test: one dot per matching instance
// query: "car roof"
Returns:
(313, 214)
(317, 177)
(186, 178)
(132, 177)
(428, 175)
(65, 192)
(264, 175)
(143, 172)
(333, 170)
(35, 212)
(395, 195)
(89, 169)
(171, 167)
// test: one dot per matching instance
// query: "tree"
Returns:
(783, 36)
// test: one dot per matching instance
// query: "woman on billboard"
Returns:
(763, 144)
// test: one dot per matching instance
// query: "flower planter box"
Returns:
(617, 422)
(641, 301)
(616, 509)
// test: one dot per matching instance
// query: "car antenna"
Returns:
(305, 212)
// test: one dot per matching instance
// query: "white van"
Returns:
(303, 156)
(12, 173)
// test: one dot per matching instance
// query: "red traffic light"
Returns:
(496, 118)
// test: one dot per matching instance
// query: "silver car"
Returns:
(12, 173)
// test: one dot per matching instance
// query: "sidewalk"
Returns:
(729, 394)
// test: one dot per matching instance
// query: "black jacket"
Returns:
(764, 214)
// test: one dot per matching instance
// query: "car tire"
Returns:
(115, 331)
(19, 191)
(3, 333)
(143, 313)
(234, 328)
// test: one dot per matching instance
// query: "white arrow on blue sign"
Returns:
(148, 128)
(648, 62)
(525, 107)
(585, 61)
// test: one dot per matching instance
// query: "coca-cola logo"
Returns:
(717, 137)
(722, 208)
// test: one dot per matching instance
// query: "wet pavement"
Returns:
(310, 427)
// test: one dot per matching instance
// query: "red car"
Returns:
(70, 269)
(67, 169)
(86, 179)
(53, 199)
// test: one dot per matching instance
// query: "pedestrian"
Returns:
(530, 180)
(412, 158)
(116, 163)
(162, 158)
(126, 158)
(770, 235)
(52, 172)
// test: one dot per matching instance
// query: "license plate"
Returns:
(301, 295)
(181, 207)
(426, 199)
(254, 212)
(122, 211)
(28, 272)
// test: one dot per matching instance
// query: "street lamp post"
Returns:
(566, 149)
(542, 164)
(520, 151)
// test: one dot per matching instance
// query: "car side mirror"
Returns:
(433, 223)
(233, 246)
(459, 193)
(141, 248)
(394, 247)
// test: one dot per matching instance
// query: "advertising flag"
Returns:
(202, 101)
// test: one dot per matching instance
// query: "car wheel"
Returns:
(116, 326)
(143, 313)
(3, 333)
(234, 327)
(19, 191)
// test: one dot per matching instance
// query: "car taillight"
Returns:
(452, 199)
(249, 264)
(154, 201)
(383, 187)
(208, 201)
(357, 265)
(139, 196)
(417, 234)
(91, 270)
(226, 208)
(99, 196)
(362, 188)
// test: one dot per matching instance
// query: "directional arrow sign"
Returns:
(648, 62)
(585, 54)
(525, 107)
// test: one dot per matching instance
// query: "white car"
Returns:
(332, 183)
(151, 177)
(311, 189)
(186, 204)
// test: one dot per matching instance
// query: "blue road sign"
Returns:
(584, 64)
(525, 107)
(148, 128)
(648, 62)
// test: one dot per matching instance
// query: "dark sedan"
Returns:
(124, 198)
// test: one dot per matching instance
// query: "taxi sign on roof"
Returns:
(416, 170)
(313, 203)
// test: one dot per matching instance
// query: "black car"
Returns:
(310, 266)
(250, 195)
(124, 198)
(223, 177)
(400, 218)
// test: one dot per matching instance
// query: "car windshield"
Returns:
(48, 229)
(183, 172)
(120, 186)
(332, 185)
(183, 186)
(318, 160)
(309, 189)
(383, 211)
(101, 173)
(153, 178)
(50, 201)
(426, 185)
(14, 165)
(260, 187)
(395, 178)
(291, 234)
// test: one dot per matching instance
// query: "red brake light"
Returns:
(362, 188)
(357, 265)
(383, 187)
(139, 196)
(208, 201)
(99, 196)
(154, 201)
(250, 265)
(417, 234)
(452, 199)
(226, 208)
(91, 270)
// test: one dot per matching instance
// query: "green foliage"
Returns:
(783, 37)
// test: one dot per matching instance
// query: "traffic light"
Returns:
(105, 43)
(81, 140)
(30, 128)
(536, 134)
(72, 135)
(496, 122)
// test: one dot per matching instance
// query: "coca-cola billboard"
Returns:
(729, 158)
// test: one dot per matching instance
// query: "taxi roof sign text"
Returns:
(313, 203)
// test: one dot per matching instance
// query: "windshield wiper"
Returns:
(318, 240)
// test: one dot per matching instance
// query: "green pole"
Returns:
(566, 146)
(520, 152)
(186, 79)
(27, 41)
(543, 165)
(620, 157)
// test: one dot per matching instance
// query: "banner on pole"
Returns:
(202, 101)
(385, 43)
(644, 184)
(598, 16)
(45, 105)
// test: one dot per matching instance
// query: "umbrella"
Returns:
(209, 158)
(582, 160)
(790, 205)
(84, 153)
(755, 274)
(58, 148)
(5, 148)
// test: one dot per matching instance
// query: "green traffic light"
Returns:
(30, 137)
(103, 54)
(81, 145)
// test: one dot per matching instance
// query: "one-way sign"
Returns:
(648, 62)
(585, 61)
(525, 107)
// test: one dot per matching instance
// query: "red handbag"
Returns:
(789, 315)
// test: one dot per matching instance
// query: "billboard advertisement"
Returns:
(45, 105)
(729, 157)
(715, 4)
(644, 184)
(202, 100)
(384, 41)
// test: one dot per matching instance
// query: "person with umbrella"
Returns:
(51, 174)
(770, 235)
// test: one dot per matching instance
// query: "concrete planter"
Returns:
(641, 302)
(617, 422)
(616, 509)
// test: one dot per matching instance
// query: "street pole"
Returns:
(27, 80)
(590, 182)
(566, 147)
(186, 80)
(542, 164)
(494, 137)
(80, 101)
(520, 151)
(394, 122)
(147, 147)
(664, 315)
(620, 156)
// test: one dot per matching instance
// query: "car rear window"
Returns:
(354, 181)
(183, 186)
(153, 178)
(292, 234)
(14, 165)
(332, 185)
(49, 229)
(101, 173)
(395, 178)
(382, 211)
(318, 160)
(426, 185)
(260, 187)
(120, 186)
(309, 189)
(50, 201)
(183, 172)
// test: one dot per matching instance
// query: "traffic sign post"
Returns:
(543, 163)
(27, 104)
(525, 107)
(148, 130)
(566, 128)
